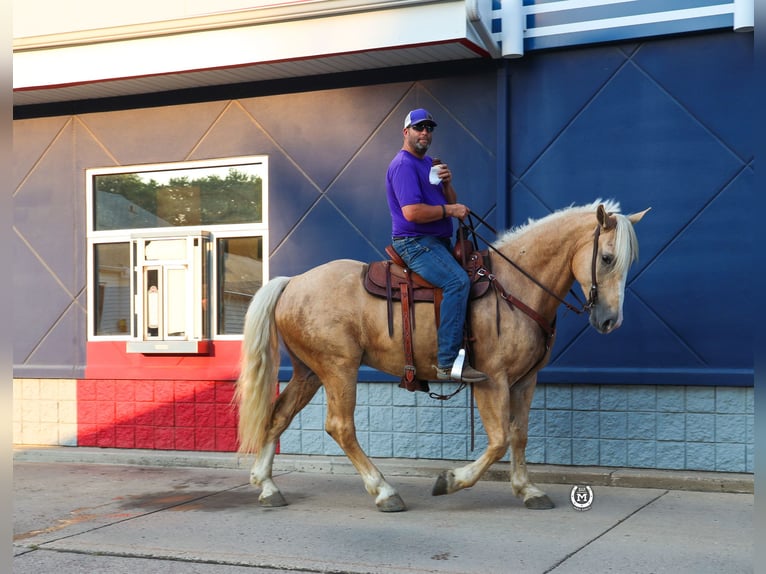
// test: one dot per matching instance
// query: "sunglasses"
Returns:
(420, 127)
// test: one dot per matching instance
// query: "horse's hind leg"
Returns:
(521, 401)
(260, 475)
(296, 395)
(339, 424)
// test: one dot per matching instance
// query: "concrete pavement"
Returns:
(138, 512)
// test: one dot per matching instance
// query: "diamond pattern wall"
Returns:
(328, 151)
(660, 125)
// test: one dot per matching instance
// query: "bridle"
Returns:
(593, 293)
(586, 307)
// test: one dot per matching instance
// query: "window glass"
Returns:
(111, 293)
(152, 216)
(240, 275)
(178, 197)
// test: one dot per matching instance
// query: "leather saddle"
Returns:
(394, 281)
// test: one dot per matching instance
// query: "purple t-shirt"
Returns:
(406, 184)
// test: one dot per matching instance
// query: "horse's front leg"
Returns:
(492, 399)
(339, 424)
(521, 401)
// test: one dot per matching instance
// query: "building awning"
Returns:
(271, 42)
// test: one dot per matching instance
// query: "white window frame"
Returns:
(217, 231)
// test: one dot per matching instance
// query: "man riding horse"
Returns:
(421, 229)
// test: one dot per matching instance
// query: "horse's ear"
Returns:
(636, 217)
(605, 220)
(601, 215)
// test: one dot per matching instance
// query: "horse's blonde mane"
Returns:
(626, 242)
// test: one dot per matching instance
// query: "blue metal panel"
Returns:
(664, 123)
(347, 216)
(665, 127)
(561, 23)
(585, 14)
(629, 32)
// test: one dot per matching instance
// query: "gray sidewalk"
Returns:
(93, 510)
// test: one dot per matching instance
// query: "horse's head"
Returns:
(601, 266)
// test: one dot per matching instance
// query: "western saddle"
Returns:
(394, 281)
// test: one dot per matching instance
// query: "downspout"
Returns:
(744, 15)
(480, 24)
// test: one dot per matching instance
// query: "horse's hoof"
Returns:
(442, 484)
(274, 500)
(539, 503)
(392, 504)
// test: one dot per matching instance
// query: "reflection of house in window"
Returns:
(242, 277)
(117, 212)
(112, 298)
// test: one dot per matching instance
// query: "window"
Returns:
(175, 251)
(199, 196)
(111, 289)
(240, 275)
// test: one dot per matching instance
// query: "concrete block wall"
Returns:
(146, 414)
(45, 411)
(390, 422)
(638, 426)
(643, 426)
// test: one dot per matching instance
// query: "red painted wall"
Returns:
(167, 402)
(108, 360)
(157, 414)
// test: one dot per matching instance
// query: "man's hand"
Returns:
(457, 210)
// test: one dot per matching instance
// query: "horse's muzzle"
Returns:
(604, 323)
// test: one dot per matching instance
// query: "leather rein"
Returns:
(512, 301)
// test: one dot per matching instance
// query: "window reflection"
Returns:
(111, 294)
(178, 198)
(240, 273)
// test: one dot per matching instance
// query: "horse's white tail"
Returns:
(256, 388)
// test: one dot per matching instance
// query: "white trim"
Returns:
(134, 23)
(413, 24)
(744, 15)
(638, 19)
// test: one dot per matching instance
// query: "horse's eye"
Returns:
(607, 259)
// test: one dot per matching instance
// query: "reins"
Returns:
(511, 300)
(584, 307)
(548, 327)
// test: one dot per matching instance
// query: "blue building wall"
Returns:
(662, 123)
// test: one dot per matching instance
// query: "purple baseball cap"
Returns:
(417, 116)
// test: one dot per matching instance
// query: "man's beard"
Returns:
(421, 147)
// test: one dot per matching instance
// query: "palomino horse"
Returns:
(330, 326)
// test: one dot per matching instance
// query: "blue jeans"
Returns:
(432, 259)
